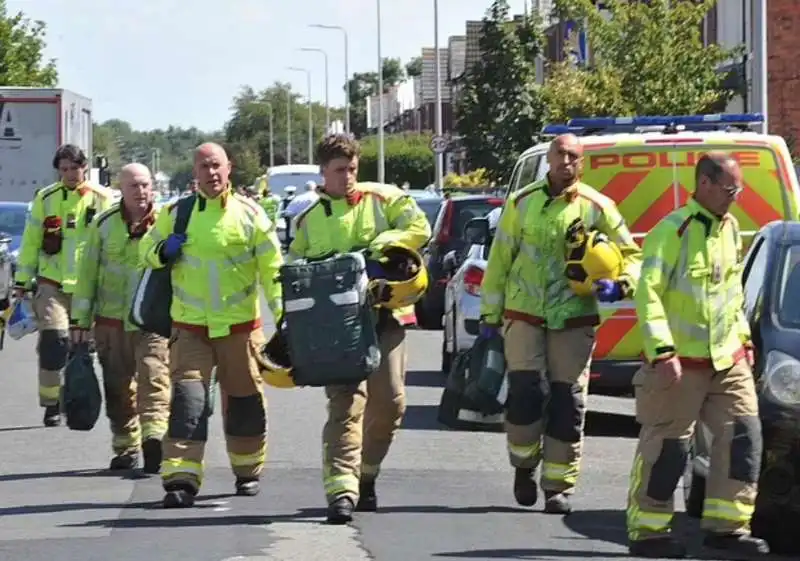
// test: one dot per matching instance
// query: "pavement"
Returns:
(443, 494)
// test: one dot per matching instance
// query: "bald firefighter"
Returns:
(363, 418)
(549, 331)
(135, 370)
(228, 252)
(699, 358)
(54, 239)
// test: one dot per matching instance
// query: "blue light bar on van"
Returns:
(557, 129)
(666, 120)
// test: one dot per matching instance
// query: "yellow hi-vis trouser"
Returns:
(363, 419)
(51, 307)
(548, 381)
(727, 404)
(193, 357)
(136, 383)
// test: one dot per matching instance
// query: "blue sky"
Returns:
(160, 62)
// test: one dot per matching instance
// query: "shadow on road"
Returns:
(71, 507)
(611, 424)
(62, 474)
(529, 554)
(425, 379)
(441, 509)
(16, 429)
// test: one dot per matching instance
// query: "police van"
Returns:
(646, 165)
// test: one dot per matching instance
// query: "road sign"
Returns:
(438, 144)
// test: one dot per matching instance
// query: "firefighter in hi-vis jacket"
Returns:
(52, 244)
(548, 329)
(348, 216)
(229, 250)
(134, 362)
(699, 358)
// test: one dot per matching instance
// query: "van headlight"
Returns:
(782, 379)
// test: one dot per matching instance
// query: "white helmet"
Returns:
(290, 190)
(310, 185)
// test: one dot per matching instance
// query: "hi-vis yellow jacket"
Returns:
(525, 275)
(231, 248)
(689, 297)
(109, 270)
(76, 208)
(370, 217)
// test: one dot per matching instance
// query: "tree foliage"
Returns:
(172, 148)
(22, 44)
(247, 132)
(648, 59)
(408, 157)
(414, 67)
(474, 178)
(364, 84)
(501, 110)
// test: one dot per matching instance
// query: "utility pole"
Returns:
(760, 58)
(310, 112)
(289, 126)
(381, 145)
(346, 71)
(438, 106)
(327, 89)
(271, 136)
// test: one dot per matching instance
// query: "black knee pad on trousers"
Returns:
(565, 412)
(189, 411)
(53, 348)
(245, 416)
(746, 449)
(527, 392)
(668, 469)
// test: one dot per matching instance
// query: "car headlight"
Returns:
(782, 378)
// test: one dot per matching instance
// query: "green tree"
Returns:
(414, 67)
(648, 59)
(247, 131)
(22, 44)
(364, 84)
(408, 157)
(500, 111)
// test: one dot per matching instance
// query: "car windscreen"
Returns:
(466, 210)
(787, 305)
(12, 220)
(279, 182)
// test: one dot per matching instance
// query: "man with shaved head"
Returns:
(228, 251)
(699, 359)
(135, 371)
(548, 329)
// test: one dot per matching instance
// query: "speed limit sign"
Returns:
(438, 144)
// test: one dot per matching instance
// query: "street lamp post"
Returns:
(289, 125)
(346, 71)
(381, 146)
(438, 106)
(327, 102)
(271, 136)
(310, 112)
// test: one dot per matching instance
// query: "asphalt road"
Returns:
(443, 494)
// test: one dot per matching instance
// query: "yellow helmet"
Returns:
(274, 362)
(591, 256)
(406, 278)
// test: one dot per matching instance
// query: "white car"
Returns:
(462, 296)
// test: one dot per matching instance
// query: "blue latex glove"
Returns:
(375, 270)
(488, 331)
(608, 290)
(172, 246)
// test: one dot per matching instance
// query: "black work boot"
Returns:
(52, 416)
(657, 548)
(151, 450)
(124, 461)
(179, 495)
(340, 511)
(556, 503)
(526, 492)
(737, 544)
(247, 486)
(367, 499)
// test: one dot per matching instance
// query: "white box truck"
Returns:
(34, 122)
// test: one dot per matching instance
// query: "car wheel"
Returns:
(447, 356)
(694, 489)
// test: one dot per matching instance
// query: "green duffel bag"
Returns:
(456, 409)
(487, 387)
(81, 400)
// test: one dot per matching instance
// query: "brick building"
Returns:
(783, 69)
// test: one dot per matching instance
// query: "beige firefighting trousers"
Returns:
(548, 380)
(192, 360)
(51, 307)
(727, 404)
(363, 419)
(136, 384)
